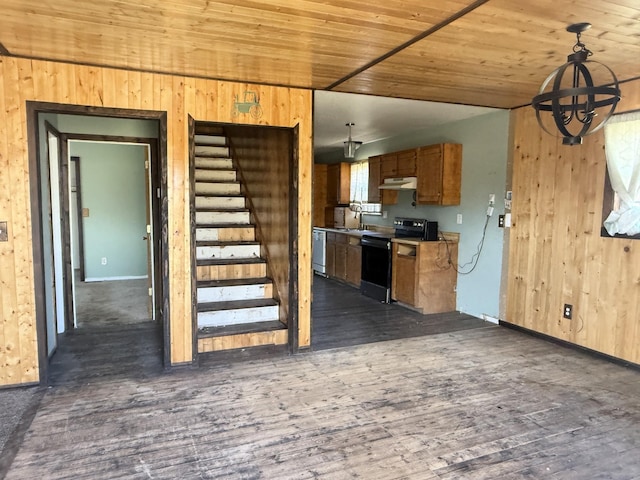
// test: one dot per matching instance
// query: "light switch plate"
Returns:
(4, 235)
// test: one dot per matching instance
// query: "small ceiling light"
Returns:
(350, 146)
(575, 103)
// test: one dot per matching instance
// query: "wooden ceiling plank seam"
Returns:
(410, 42)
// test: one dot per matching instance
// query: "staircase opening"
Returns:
(243, 230)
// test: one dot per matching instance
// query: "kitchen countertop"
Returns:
(354, 232)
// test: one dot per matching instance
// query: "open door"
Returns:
(148, 237)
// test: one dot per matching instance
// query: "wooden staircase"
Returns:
(235, 297)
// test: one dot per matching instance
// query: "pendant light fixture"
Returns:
(578, 106)
(350, 146)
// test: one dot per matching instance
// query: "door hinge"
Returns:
(158, 192)
(148, 228)
(151, 292)
(146, 164)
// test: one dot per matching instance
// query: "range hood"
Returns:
(399, 183)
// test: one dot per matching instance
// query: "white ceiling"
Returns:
(376, 118)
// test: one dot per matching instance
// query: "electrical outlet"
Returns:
(567, 311)
(104, 260)
(492, 198)
(4, 235)
(384, 214)
(489, 211)
(459, 219)
(501, 221)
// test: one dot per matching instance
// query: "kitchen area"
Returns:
(410, 263)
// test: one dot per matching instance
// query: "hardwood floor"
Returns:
(342, 317)
(476, 403)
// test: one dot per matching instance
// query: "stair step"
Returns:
(211, 151)
(217, 140)
(210, 175)
(217, 188)
(217, 217)
(230, 268)
(269, 325)
(236, 289)
(224, 202)
(219, 314)
(226, 233)
(213, 163)
(223, 250)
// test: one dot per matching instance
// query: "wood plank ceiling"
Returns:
(489, 52)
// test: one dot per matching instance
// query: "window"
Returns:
(621, 211)
(359, 190)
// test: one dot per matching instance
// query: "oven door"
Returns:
(376, 268)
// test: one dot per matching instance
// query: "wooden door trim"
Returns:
(80, 226)
(161, 211)
(65, 207)
(293, 320)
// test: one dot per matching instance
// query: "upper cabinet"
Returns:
(439, 174)
(437, 167)
(407, 163)
(338, 183)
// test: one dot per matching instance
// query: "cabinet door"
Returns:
(403, 282)
(407, 163)
(374, 180)
(333, 171)
(354, 263)
(341, 257)
(451, 173)
(331, 255)
(429, 187)
(319, 194)
(389, 165)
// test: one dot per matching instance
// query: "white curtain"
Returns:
(622, 146)
(359, 190)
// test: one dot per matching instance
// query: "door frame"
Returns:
(159, 207)
(154, 164)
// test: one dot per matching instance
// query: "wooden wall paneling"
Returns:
(134, 90)
(303, 100)
(43, 81)
(180, 244)
(556, 253)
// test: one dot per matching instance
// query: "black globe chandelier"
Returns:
(577, 106)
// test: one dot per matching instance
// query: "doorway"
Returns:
(122, 269)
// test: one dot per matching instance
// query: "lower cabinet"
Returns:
(422, 276)
(344, 257)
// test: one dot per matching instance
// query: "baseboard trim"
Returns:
(111, 279)
(572, 346)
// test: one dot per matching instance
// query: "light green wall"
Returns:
(108, 126)
(113, 189)
(484, 166)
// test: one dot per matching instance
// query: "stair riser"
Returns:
(237, 317)
(214, 163)
(216, 218)
(231, 271)
(228, 252)
(227, 234)
(233, 293)
(215, 175)
(217, 140)
(222, 203)
(203, 150)
(217, 188)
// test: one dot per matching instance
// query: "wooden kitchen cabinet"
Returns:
(407, 163)
(330, 262)
(386, 197)
(340, 269)
(439, 172)
(338, 183)
(421, 276)
(354, 261)
(389, 165)
(319, 194)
